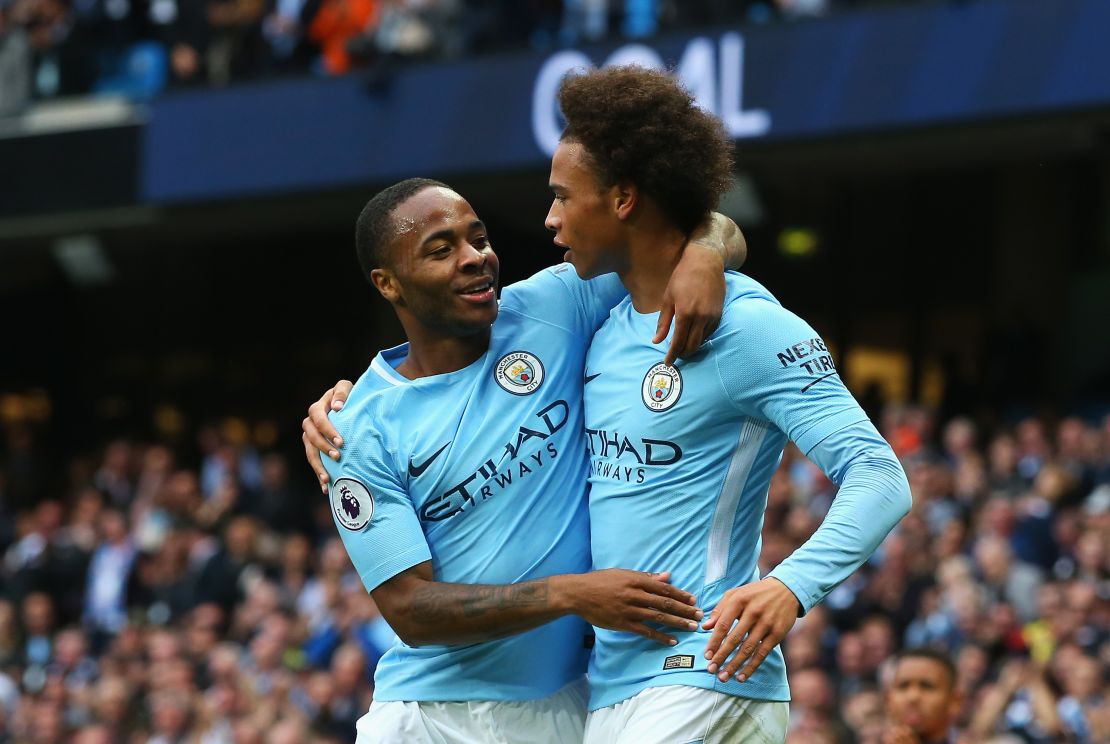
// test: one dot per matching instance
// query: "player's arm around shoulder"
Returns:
(696, 292)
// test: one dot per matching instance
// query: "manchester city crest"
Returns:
(352, 503)
(519, 373)
(662, 387)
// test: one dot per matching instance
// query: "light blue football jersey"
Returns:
(681, 462)
(481, 471)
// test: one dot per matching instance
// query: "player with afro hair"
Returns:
(639, 127)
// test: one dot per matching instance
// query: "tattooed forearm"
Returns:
(438, 603)
(720, 235)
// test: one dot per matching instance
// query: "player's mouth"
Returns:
(567, 255)
(480, 292)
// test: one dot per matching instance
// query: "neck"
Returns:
(432, 353)
(654, 249)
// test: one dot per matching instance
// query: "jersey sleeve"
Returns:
(557, 295)
(381, 532)
(774, 367)
(873, 496)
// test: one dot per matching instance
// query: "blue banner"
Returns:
(880, 69)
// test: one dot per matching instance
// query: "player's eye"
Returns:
(440, 252)
(481, 242)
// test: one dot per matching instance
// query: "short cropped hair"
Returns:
(923, 652)
(375, 231)
(641, 126)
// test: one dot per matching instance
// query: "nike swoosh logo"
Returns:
(590, 378)
(807, 387)
(417, 470)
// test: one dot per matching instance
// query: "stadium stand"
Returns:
(137, 49)
(210, 600)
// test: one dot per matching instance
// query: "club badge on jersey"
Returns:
(352, 503)
(519, 373)
(662, 387)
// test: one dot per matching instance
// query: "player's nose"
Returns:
(472, 257)
(552, 221)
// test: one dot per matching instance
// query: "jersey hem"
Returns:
(805, 599)
(615, 694)
(466, 693)
(395, 564)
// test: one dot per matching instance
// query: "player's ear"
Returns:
(625, 198)
(385, 281)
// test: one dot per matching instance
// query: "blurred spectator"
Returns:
(922, 699)
(11, 655)
(813, 713)
(106, 593)
(186, 34)
(15, 62)
(284, 29)
(38, 629)
(342, 27)
(584, 21)
(225, 577)
(351, 693)
(236, 48)
(171, 715)
(1020, 702)
(1006, 579)
(276, 502)
(63, 51)
(114, 475)
(412, 28)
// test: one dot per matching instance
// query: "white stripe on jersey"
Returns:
(724, 516)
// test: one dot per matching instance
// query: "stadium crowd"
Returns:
(147, 598)
(138, 48)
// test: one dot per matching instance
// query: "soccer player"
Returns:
(461, 494)
(922, 701)
(682, 456)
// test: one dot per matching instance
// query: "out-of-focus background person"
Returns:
(922, 698)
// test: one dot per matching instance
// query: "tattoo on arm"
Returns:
(438, 603)
(720, 235)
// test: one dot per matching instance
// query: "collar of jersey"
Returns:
(386, 362)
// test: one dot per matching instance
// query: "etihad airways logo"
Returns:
(526, 452)
(620, 458)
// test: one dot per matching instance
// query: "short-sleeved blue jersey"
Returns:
(481, 471)
(681, 462)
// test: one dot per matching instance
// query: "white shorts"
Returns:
(557, 719)
(679, 714)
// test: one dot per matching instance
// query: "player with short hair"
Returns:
(682, 456)
(922, 699)
(461, 494)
